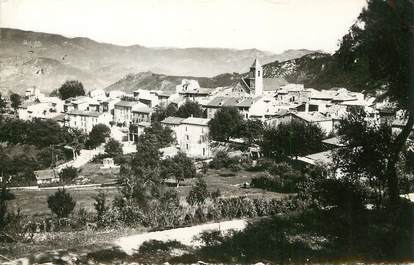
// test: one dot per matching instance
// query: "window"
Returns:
(185, 128)
(258, 73)
(186, 146)
(187, 137)
(204, 151)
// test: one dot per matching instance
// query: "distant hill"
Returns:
(149, 80)
(320, 71)
(97, 65)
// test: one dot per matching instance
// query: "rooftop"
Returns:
(141, 108)
(173, 120)
(196, 121)
(128, 104)
(311, 116)
(85, 113)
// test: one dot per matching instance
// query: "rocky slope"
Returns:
(26, 55)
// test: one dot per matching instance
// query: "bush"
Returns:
(198, 194)
(61, 203)
(157, 247)
(68, 174)
(113, 148)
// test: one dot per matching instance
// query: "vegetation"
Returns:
(98, 135)
(251, 131)
(72, 88)
(61, 203)
(160, 112)
(179, 167)
(16, 101)
(291, 140)
(198, 194)
(113, 148)
(3, 104)
(68, 174)
(190, 108)
(225, 124)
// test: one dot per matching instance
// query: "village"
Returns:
(255, 98)
(206, 132)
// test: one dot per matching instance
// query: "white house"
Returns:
(193, 137)
(85, 120)
(123, 112)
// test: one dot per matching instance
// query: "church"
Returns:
(254, 84)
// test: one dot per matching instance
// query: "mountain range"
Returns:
(46, 60)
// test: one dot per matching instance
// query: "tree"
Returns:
(179, 167)
(98, 135)
(3, 104)
(113, 148)
(225, 124)
(252, 131)
(68, 174)
(292, 139)
(161, 113)
(61, 203)
(5, 217)
(100, 205)
(163, 135)
(383, 36)
(190, 108)
(16, 100)
(44, 133)
(72, 88)
(198, 194)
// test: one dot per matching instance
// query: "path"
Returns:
(84, 157)
(184, 235)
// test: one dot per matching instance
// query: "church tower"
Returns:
(256, 78)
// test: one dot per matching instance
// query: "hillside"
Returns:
(97, 65)
(149, 80)
(320, 71)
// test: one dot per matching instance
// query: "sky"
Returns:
(271, 25)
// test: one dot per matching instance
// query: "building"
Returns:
(147, 97)
(123, 112)
(141, 113)
(46, 176)
(193, 137)
(78, 103)
(173, 123)
(85, 120)
(255, 84)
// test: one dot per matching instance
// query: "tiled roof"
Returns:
(45, 174)
(231, 102)
(336, 141)
(172, 120)
(311, 117)
(85, 113)
(142, 108)
(200, 91)
(322, 157)
(196, 121)
(124, 103)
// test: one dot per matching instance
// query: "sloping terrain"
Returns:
(97, 65)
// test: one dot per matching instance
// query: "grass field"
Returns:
(34, 202)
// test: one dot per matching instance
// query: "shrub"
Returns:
(68, 174)
(156, 247)
(198, 194)
(113, 148)
(61, 203)
(100, 205)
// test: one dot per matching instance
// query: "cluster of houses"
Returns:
(266, 99)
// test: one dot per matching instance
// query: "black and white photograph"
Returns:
(263, 132)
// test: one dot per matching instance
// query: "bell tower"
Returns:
(256, 78)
